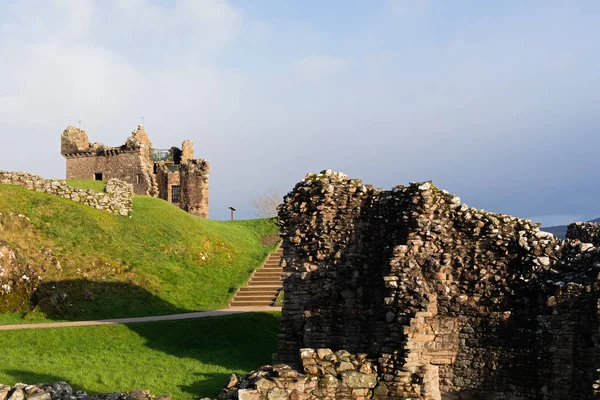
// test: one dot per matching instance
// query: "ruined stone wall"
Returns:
(187, 151)
(130, 163)
(74, 140)
(194, 187)
(446, 301)
(116, 199)
(125, 166)
(588, 232)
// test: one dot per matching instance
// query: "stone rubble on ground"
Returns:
(62, 391)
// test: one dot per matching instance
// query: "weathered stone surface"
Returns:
(16, 394)
(356, 380)
(41, 396)
(73, 140)
(62, 391)
(194, 187)
(4, 390)
(586, 232)
(187, 151)
(438, 298)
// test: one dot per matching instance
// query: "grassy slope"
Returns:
(161, 260)
(97, 186)
(187, 359)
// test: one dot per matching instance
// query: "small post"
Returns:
(233, 210)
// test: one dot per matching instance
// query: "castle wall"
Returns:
(194, 187)
(424, 284)
(446, 301)
(127, 166)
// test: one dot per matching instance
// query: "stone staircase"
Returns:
(264, 284)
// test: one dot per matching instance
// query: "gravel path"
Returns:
(172, 317)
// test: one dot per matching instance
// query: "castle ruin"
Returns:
(170, 174)
(409, 294)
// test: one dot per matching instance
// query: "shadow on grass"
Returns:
(82, 299)
(226, 344)
(235, 343)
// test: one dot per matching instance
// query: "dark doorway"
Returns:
(98, 176)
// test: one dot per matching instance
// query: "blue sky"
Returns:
(497, 102)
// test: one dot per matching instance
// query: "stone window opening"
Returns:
(98, 176)
(138, 178)
(175, 194)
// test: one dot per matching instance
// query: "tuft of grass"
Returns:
(187, 359)
(159, 260)
(96, 186)
(279, 299)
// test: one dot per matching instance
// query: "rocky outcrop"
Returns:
(116, 199)
(445, 301)
(62, 391)
(22, 268)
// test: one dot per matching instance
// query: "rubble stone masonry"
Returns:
(117, 197)
(409, 294)
(194, 187)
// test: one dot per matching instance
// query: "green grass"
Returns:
(279, 299)
(160, 260)
(96, 186)
(187, 359)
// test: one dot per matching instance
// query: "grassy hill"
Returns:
(159, 260)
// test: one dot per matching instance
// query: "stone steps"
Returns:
(264, 285)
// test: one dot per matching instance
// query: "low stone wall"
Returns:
(116, 199)
(588, 232)
(327, 374)
(62, 391)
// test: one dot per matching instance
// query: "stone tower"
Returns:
(194, 187)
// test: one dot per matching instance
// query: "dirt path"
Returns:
(172, 317)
